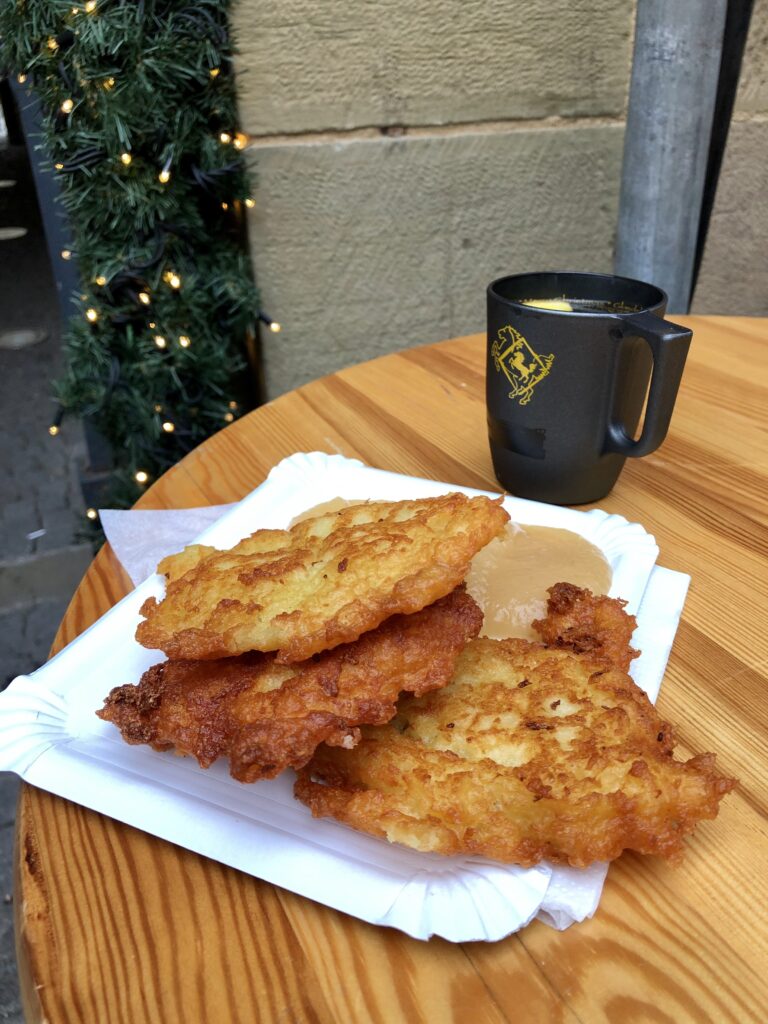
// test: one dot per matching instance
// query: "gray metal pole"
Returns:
(672, 91)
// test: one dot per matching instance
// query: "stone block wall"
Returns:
(734, 271)
(340, 65)
(409, 152)
(369, 245)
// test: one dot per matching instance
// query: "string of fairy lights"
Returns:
(140, 123)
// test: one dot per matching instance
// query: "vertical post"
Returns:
(94, 478)
(66, 273)
(672, 92)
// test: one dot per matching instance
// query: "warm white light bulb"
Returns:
(109, 83)
(144, 298)
(241, 140)
(141, 476)
(126, 158)
(214, 72)
(91, 315)
(184, 341)
(53, 430)
(59, 167)
(174, 280)
(228, 417)
(168, 427)
(92, 513)
(100, 280)
(275, 327)
(225, 137)
(21, 79)
(250, 203)
(66, 254)
(90, 6)
(160, 341)
(67, 105)
(164, 176)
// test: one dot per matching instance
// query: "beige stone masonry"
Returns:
(311, 65)
(408, 152)
(368, 245)
(734, 271)
(752, 96)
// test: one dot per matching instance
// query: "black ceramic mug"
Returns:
(565, 387)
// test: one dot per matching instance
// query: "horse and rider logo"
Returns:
(523, 368)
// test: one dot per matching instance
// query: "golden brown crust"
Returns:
(529, 753)
(581, 622)
(324, 582)
(266, 717)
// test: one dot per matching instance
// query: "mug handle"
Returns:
(669, 345)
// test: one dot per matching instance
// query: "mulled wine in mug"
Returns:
(570, 359)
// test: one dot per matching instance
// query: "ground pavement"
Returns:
(41, 510)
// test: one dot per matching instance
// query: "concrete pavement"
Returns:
(41, 510)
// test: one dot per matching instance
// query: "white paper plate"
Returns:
(50, 736)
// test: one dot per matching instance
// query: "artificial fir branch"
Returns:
(140, 125)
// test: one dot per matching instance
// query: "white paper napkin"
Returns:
(140, 539)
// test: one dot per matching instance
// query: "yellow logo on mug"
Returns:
(523, 368)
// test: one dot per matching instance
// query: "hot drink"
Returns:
(570, 358)
(574, 305)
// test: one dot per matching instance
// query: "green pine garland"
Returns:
(140, 125)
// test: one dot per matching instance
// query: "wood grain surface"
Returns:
(114, 926)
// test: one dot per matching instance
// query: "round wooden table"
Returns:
(116, 926)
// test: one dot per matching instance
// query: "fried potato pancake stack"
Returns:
(326, 581)
(531, 752)
(265, 716)
(293, 650)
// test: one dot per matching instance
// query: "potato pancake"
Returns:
(266, 717)
(324, 582)
(530, 753)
